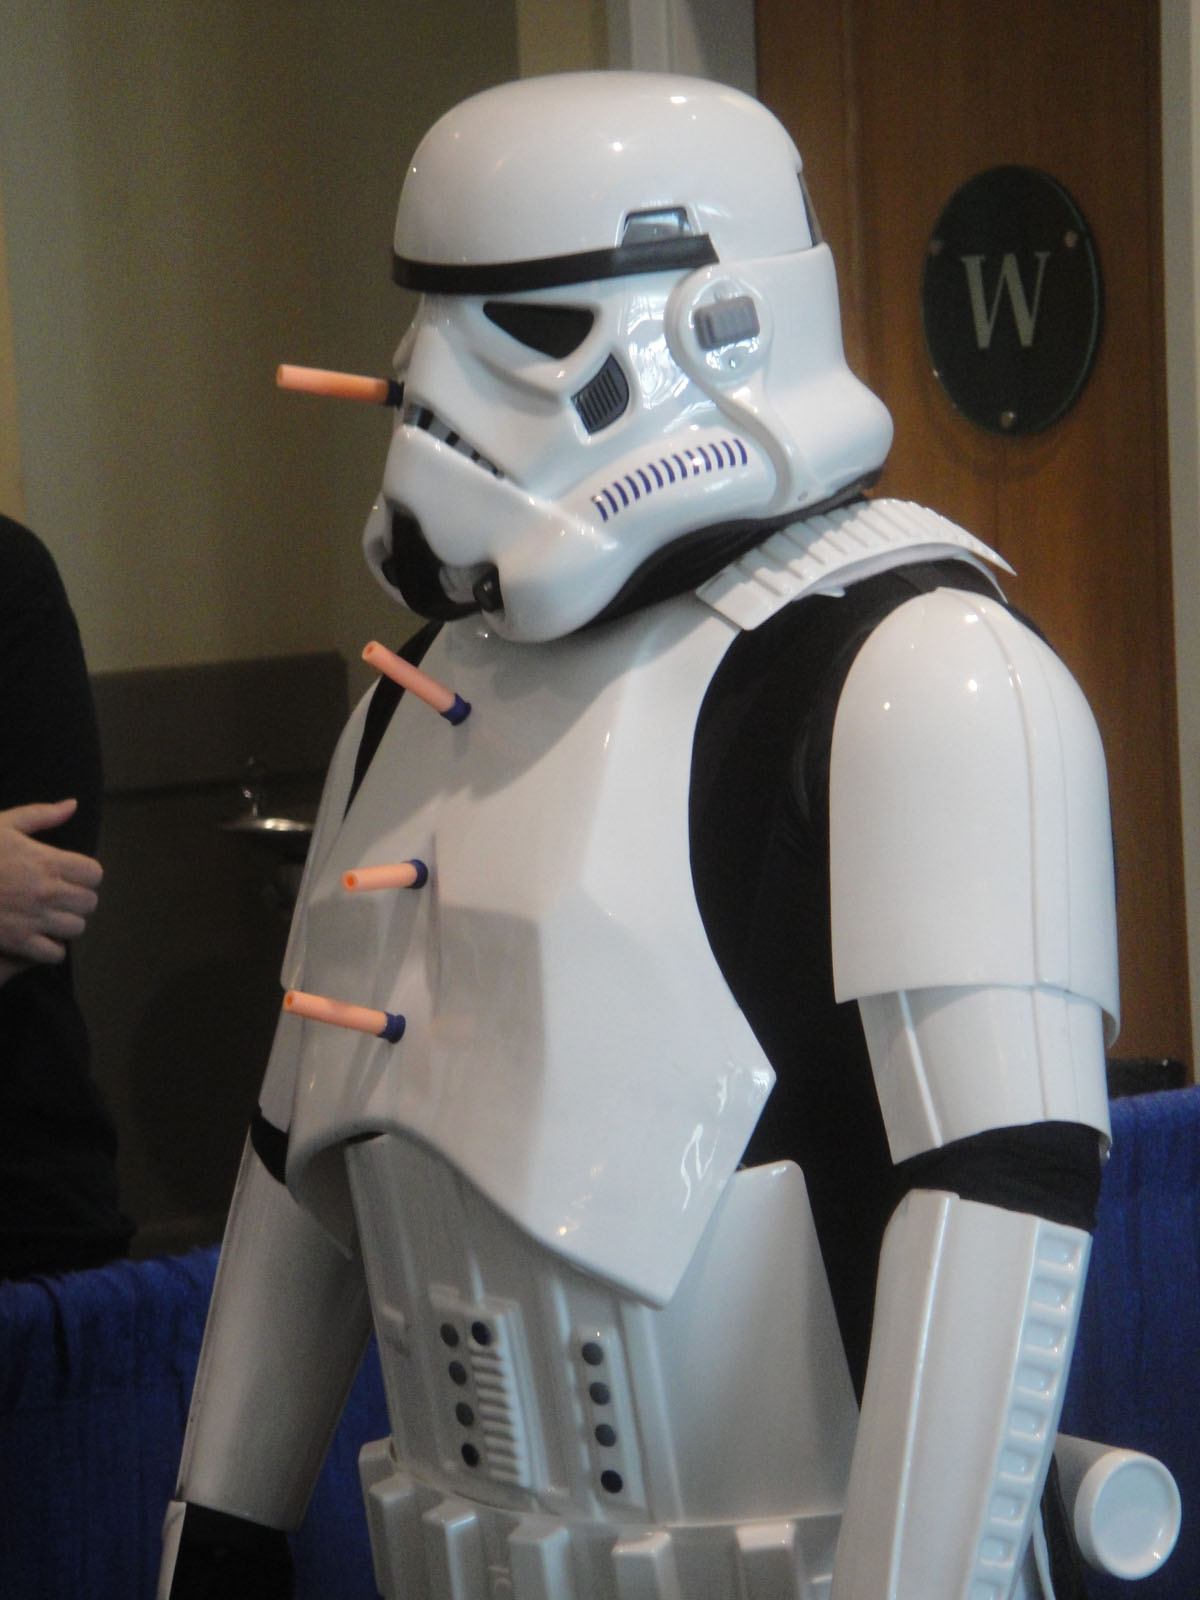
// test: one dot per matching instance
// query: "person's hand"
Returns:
(46, 894)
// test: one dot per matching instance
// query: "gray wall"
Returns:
(194, 193)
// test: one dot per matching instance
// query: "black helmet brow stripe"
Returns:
(549, 272)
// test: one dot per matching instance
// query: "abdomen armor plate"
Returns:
(555, 1438)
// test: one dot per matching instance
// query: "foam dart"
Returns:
(396, 875)
(363, 1019)
(341, 385)
(450, 705)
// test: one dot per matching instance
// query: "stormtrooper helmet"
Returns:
(626, 364)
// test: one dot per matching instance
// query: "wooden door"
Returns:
(894, 106)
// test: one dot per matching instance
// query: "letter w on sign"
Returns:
(1024, 313)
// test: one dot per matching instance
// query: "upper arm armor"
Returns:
(969, 829)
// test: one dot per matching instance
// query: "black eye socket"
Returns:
(552, 330)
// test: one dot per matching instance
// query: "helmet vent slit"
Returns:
(691, 462)
(600, 402)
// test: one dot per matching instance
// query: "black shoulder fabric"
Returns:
(383, 704)
(270, 1145)
(759, 838)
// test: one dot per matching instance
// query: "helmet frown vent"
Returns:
(604, 399)
(691, 462)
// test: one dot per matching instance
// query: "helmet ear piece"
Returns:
(762, 338)
(719, 329)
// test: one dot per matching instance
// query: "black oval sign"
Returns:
(1011, 300)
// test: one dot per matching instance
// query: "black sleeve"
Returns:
(59, 1208)
(49, 743)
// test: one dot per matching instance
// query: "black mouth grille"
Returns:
(419, 416)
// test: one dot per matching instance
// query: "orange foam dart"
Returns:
(341, 385)
(396, 875)
(363, 1019)
(450, 705)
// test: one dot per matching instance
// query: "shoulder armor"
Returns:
(969, 829)
(825, 554)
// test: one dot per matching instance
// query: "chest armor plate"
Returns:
(571, 1047)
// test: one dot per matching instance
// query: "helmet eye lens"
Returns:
(549, 329)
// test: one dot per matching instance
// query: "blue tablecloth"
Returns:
(96, 1373)
(1135, 1379)
(96, 1370)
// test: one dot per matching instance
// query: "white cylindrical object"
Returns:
(1125, 1506)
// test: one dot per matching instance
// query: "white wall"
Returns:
(707, 38)
(1181, 238)
(560, 36)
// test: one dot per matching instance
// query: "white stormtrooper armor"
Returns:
(613, 1362)
(643, 342)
